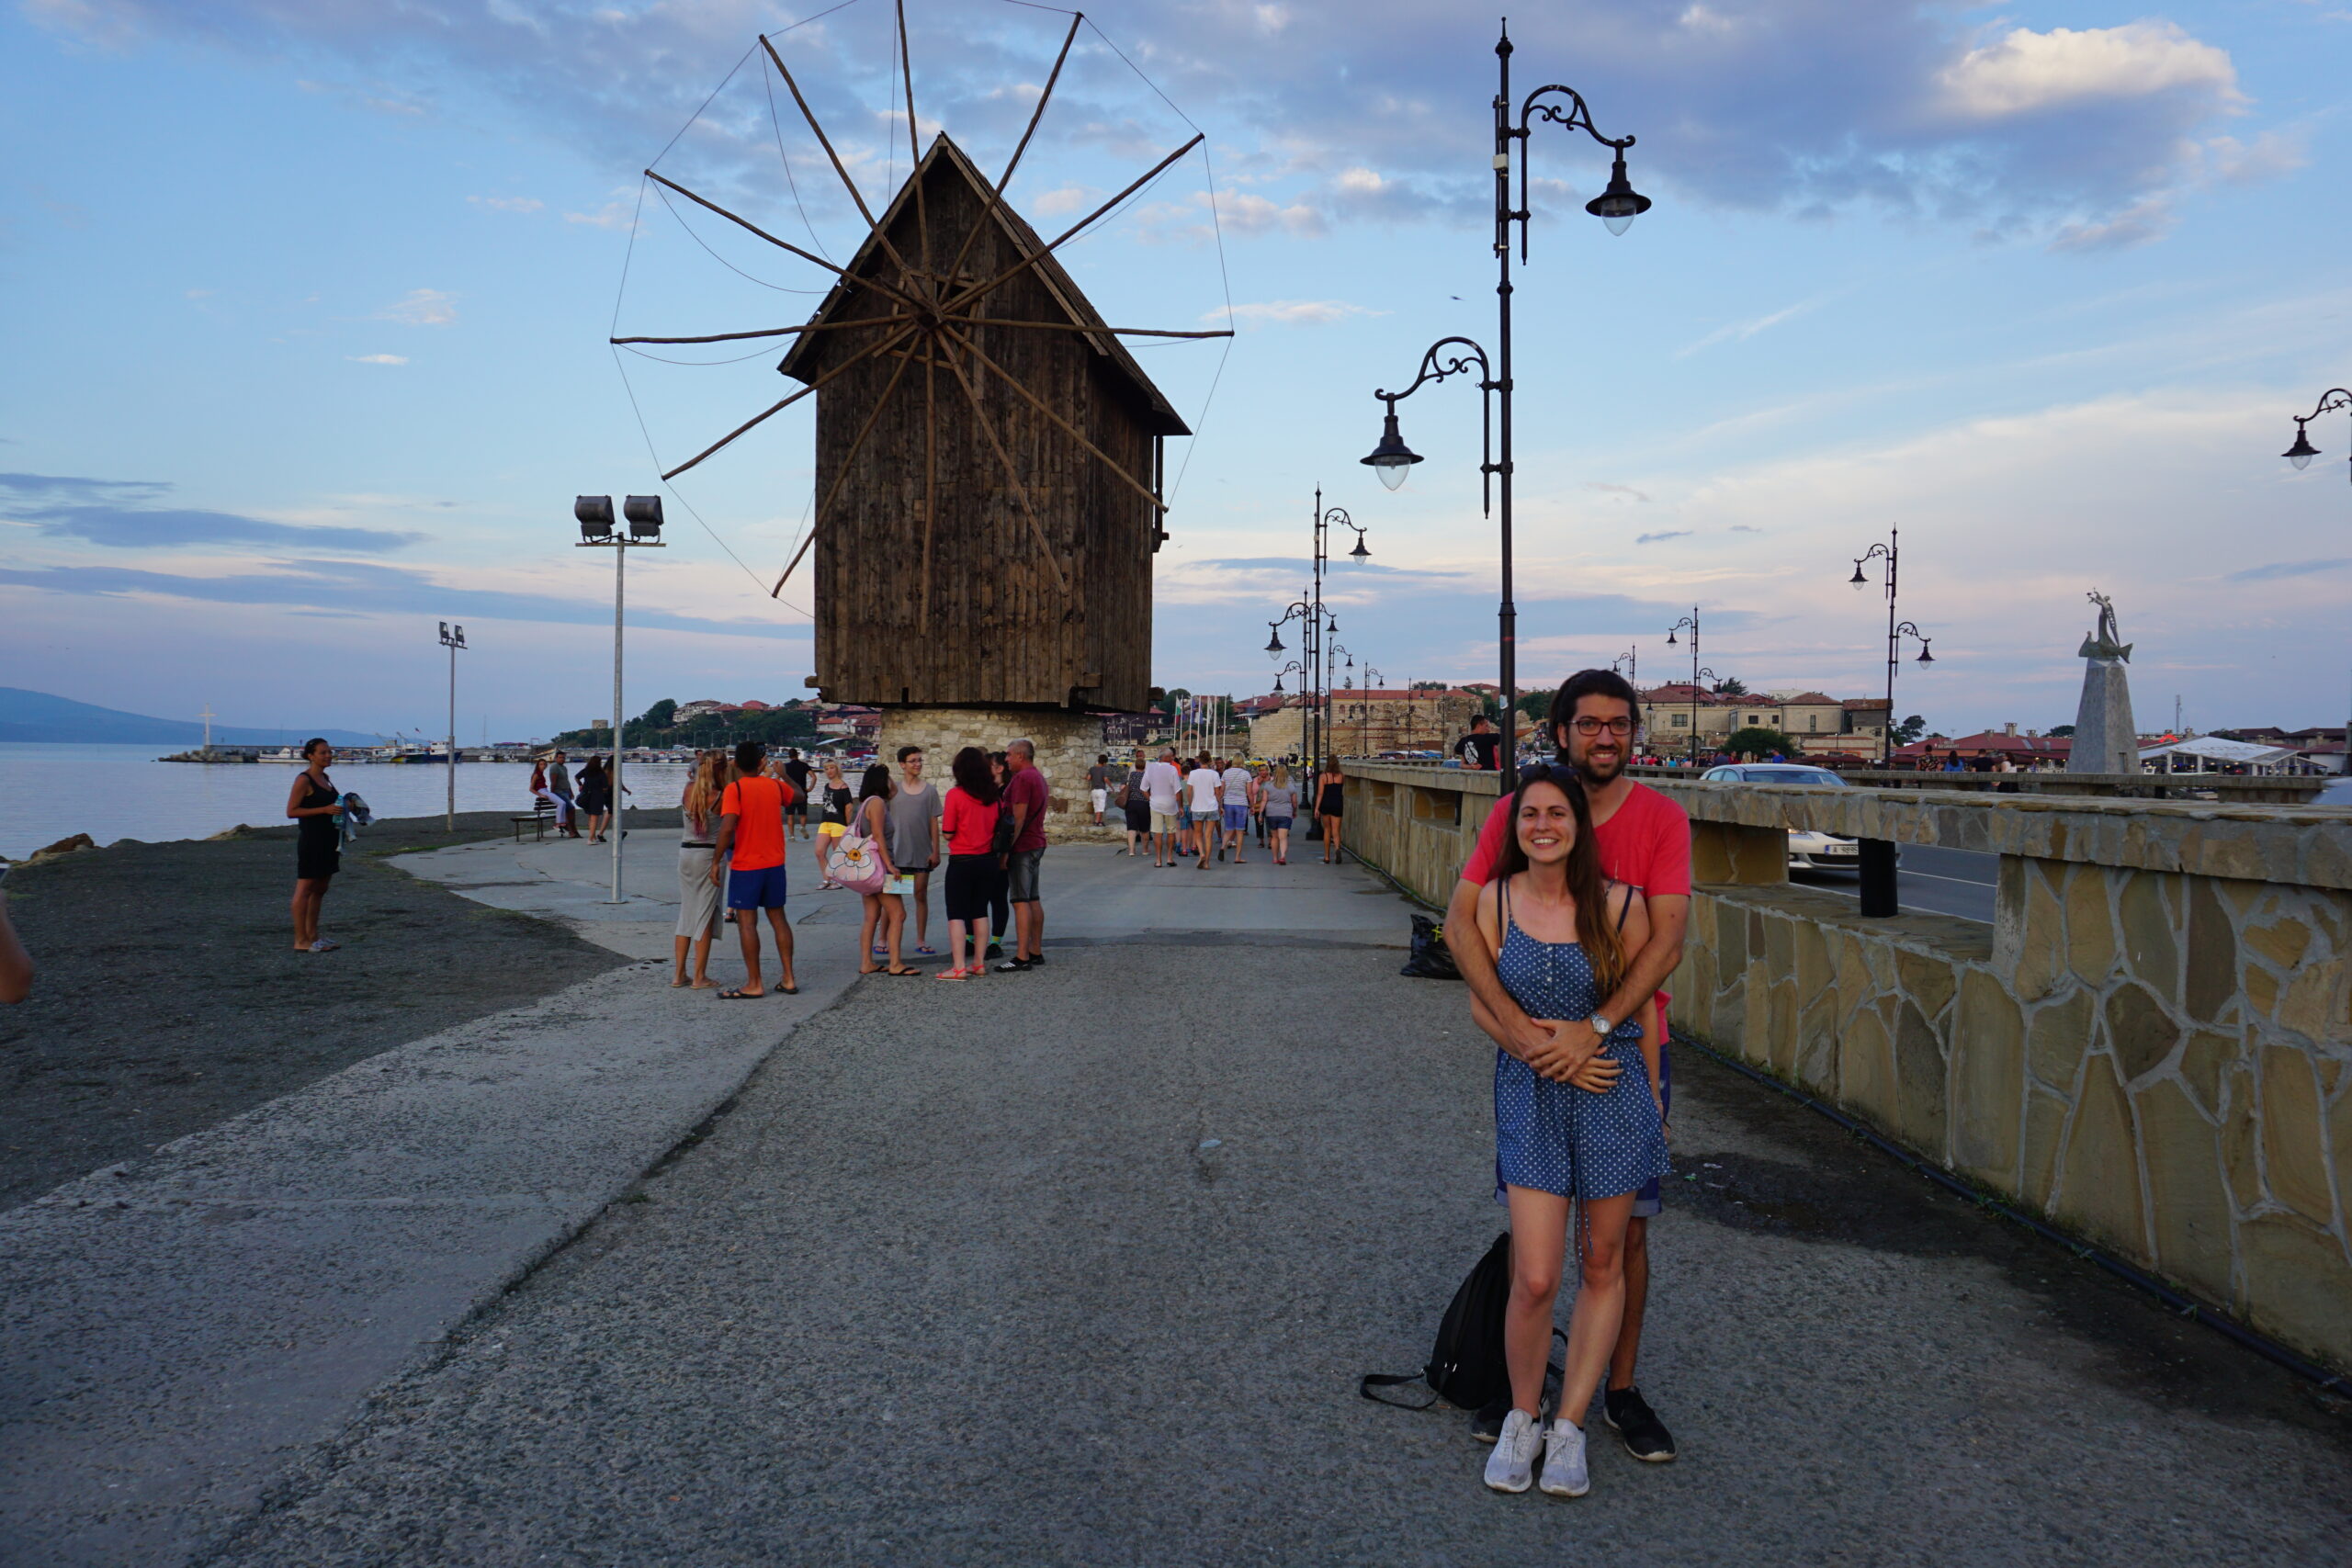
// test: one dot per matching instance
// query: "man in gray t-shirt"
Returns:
(911, 820)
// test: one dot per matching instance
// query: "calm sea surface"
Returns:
(48, 793)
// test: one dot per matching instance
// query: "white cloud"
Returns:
(1295, 312)
(376, 359)
(1245, 213)
(2027, 72)
(421, 308)
(507, 203)
(1064, 199)
(611, 215)
(2151, 219)
(1740, 331)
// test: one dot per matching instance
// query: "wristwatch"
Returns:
(1602, 1026)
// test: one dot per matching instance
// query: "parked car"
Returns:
(1807, 851)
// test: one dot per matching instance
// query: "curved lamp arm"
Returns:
(1620, 204)
(1437, 365)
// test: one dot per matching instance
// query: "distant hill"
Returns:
(37, 715)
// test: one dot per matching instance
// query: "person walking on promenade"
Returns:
(796, 773)
(1025, 797)
(1135, 806)
(1558, 935)
(1098, 786)
(312, 803)
(1201, 785)
(1281, 806)
(698, 890)
(884, 915)
(750, 845)
(1331, 807)
(969, 820)
(830, 798)
(1482, 748)
(1163, 786)
(1234, 800)
(560, 786)
(596, 797)
(1259, 777)
(914, 839)
(1644, 841)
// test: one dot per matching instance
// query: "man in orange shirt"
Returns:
(750, 845)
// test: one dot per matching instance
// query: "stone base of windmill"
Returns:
(1067, 745)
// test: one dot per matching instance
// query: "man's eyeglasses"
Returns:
(1592, 726)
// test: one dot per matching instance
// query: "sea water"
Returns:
(52, 792)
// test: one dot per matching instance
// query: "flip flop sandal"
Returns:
(902, 974)
(928, 951)
(740, 995)
(789, 990)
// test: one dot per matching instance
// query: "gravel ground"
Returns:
(168, 994)
(1083, 1266)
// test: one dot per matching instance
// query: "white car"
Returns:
(1807, 851)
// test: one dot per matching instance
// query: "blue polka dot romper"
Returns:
(1552, 1136)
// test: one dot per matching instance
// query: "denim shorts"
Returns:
(1021, 876)
(1236, 816)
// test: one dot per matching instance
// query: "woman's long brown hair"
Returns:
(1596, 933)
(701, 795)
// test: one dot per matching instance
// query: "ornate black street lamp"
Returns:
(1690, 623)
(1891, 553)
(1617, 205)
(2301, 454)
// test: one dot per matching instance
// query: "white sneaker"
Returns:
(1564, 1473)
(1511, 1466)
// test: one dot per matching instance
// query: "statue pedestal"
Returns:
(2106, 739)
(1067, 745)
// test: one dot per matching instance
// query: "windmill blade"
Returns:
(929, 480)
(1011, 476)
(779, 332)
(1039, 404)
(1048, 326)
(864, 353)
(854, 281)
(1025, 263)
(996, 197)
(914, 147)
(826, 142)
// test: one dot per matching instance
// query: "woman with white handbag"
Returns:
(859, 859)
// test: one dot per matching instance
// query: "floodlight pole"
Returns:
(595, 513)
(453, 641)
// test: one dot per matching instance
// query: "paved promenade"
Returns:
(1074, 1266)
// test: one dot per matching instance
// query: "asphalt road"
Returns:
(1081, 1266)
(1931, 878)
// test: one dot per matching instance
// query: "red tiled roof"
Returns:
(1811, 699)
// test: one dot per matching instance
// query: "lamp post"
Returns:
(1690, 623)
(1617, 206)
(1891, 553)
(2301, 454)
(595, 513)
(454, 641)
(1335, 651)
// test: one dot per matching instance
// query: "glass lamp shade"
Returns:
(1620, 204)
(1359, 552)
(2302, 453)
(1392, 459)
(1858, 579)
(1273, 640)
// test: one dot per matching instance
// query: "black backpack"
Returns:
(1465, 1366)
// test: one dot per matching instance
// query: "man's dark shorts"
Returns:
(1021, 876)
(761, 889)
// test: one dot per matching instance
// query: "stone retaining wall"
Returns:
(2152, 1046)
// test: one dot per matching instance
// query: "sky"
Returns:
(306, 303)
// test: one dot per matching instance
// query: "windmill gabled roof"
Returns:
(1161, 418)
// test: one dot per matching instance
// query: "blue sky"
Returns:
(306, 302)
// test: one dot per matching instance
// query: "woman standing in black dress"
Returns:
(1331, 807)
(318, 847)
(596, 797)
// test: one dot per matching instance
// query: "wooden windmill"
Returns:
(988, 451)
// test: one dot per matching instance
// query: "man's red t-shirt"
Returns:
(758, 804)
(1645, 842)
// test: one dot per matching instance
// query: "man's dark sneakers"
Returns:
(1014, 966)
(1631, 1417)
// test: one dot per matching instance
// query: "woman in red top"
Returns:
(968, 818)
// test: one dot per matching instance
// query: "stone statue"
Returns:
(2102, 643)
(2105, 739)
